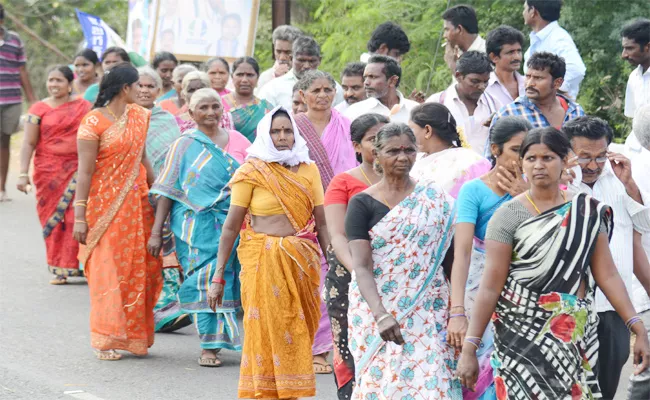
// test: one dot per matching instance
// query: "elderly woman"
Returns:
(327, 134)
(51, 138)
(345, 185)
(246, 109)
(163, 131)
(443, 156)
(192, 82)
(175, 103)
(400, 231)
(280, 188)
(193, 191)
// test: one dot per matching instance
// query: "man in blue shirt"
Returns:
(548, 36)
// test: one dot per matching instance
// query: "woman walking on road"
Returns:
(113, 218)
(51, 138)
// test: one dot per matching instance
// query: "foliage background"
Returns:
(342, 27)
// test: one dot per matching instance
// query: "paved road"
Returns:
(44, 338)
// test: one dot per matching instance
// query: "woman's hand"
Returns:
(23, 184)
(641, 353)
(154, 245)
(215, 295)
(512, 184)
(467, 370)
(456, 331)
(568, 175)
(389, 330)
(80, 231)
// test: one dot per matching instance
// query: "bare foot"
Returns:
(4, 197)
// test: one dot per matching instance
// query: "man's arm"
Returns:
(26, 84)
(575, 67)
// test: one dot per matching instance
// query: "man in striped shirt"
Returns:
(13, 76)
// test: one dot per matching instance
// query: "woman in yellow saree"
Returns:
(113, 219)
(280, 190)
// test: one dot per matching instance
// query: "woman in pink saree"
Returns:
(327, 133)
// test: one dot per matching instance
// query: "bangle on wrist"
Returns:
(457, 316)
(80, 221)
(220, 281)
(24, 175)
(383, 317)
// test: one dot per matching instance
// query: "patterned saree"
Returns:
(55, 172)
(544, 332)
(123, 278)
(408, 247)
(280, 277)
(248, 116)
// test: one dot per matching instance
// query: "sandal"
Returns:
(321, 366)
(209, 362)
(180, 322)
(59, 280)
(108, 355)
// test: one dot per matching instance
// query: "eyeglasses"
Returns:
(599, 160)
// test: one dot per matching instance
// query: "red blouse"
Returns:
(342, 187)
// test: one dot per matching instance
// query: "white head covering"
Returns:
(264, 149)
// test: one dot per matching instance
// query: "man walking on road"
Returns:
(13, 76)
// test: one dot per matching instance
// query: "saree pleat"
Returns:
(124, 280)
(544, 333)
(55, 168)
(408, 247)
(280, 279)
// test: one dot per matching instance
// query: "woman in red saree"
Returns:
(113, 219)
(51, 131)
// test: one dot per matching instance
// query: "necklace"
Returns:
(364, 175)
(111, 112)
(530, 199)
(383, 198)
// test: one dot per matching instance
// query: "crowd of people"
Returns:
(481, 243)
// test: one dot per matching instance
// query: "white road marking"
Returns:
(81, 395)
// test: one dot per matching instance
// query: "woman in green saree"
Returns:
(246, 109)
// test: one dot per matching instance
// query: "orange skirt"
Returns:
(280, 278)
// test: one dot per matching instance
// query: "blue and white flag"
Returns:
(99, 36)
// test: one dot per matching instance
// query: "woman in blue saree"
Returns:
(477, 201)
(192, 188)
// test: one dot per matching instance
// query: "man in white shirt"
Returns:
(548, 36)
(467, 101)
(282, 39)
(306, 57)
(636, 50)
(381, 79)
(639, 387)
(608, 178)
(388, 39)
(352, 83)
(461, 33)
(504, 48)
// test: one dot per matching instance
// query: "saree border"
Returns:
(61, 207)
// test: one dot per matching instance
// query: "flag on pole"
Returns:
(99, 36)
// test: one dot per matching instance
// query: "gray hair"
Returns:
(181, 71)
(287, 33)
(389, 131)
(149, 72)
(202, 95)
(310, 76)
(305, 45)
(641, 125)
(194, 76)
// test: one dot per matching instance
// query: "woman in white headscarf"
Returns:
(279, 251)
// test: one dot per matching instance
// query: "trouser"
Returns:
(639, 388)
(613, 352)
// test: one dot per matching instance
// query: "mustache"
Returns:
(531, 89)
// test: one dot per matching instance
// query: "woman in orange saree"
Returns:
(113, 219)
(51, 138)
(280, 193)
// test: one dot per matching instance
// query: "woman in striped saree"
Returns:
(545, 254)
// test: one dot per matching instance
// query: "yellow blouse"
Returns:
(262, 202)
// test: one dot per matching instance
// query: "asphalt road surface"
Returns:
(45, 343)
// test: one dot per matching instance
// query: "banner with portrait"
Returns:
(193, 30)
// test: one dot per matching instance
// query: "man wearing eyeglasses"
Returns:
(608, 178)
(306, 57)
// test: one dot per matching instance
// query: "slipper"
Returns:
(321, 367)
(108, 355)
(209, 362)
(59, 280)
(180, 322)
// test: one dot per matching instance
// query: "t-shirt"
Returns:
(12, 57)
(342, 187)
(262, 202)
(364, 212)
